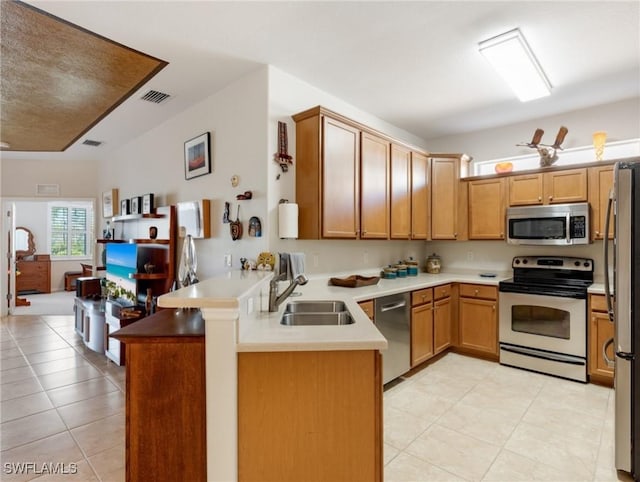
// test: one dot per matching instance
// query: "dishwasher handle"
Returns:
(393, 306)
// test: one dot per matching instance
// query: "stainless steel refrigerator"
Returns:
(623, 300)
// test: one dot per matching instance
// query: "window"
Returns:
(70, 229)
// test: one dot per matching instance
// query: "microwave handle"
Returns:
(568, 228)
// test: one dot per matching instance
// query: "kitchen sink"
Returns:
(308, 319)
(324, 306)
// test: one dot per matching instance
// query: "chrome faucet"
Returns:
(276, 300)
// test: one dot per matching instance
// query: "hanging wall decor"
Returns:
(236, 226)
(197, 156)
(255, 227)
(282, 157)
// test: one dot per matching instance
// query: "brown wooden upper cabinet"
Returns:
(400, 192)
(327, 176)
(374, 187)
(555, 187)
(445, 174)
(355, 183)
(487, 208)
(420, 196)
(600, 183)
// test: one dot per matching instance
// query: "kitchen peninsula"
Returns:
(279, 396)
(276, 395)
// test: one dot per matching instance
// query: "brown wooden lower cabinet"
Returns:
(367, 307)
(312, 416)
(600, 331)
(478, 320)
(165, 397)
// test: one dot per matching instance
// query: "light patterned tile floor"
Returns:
(60, 403)
(457, 419)
(467, 419)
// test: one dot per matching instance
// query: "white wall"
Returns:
(77, 179)
(236, 116)
(621, 121)
(496, 256)
(289, 95)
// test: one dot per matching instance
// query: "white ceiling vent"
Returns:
(89, 142)
(48, 190)
(155, 96)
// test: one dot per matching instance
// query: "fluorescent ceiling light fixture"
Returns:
(512, 58)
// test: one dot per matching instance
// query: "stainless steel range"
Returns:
(543, 315)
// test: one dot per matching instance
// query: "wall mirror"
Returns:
(25, 245)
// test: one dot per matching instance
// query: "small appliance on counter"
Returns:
(434, 264)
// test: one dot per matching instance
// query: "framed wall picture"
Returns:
(197, 156)
(147, 204)
(124, 207)
(136, 205)
(109, 201)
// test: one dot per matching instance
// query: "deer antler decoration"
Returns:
(548, 153)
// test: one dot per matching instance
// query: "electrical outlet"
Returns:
(227, 260)
(469, 255)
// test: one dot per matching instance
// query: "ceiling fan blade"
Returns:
(537, 137)
(562, 133)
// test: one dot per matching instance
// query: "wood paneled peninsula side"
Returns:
(253, 364)
(165, 396)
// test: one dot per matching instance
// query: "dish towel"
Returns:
(297, 264)
(285, 265)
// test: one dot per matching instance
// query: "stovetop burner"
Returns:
(555, 276)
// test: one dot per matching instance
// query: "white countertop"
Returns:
(596, 289)
(223, 291)
(261, 331)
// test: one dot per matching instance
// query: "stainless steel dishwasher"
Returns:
(393, 319)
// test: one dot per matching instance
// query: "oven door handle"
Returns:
(610, 363)
(543, 355)
(607, 286)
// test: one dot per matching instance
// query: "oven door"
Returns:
(549, 323)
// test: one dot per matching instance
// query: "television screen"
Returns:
(121, 259)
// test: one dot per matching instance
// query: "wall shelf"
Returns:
(148, 276)
(134, 241)
(135, 217)
(150, 241)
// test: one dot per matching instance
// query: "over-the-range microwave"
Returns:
(558, 225)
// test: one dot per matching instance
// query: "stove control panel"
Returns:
(552, 262)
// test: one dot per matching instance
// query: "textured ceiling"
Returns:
(58, 80)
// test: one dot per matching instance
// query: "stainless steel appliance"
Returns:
(558, 224)
(543, 315)
(393, 319)
(623, 312)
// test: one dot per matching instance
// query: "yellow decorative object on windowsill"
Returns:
(599, 139)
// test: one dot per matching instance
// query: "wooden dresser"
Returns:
(35, 275)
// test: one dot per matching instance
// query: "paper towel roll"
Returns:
(288, 220)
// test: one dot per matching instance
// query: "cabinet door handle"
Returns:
(455, 235)
(493, 307)
(539, 198)
(550, 198)
(597, 233)
(476, 292)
